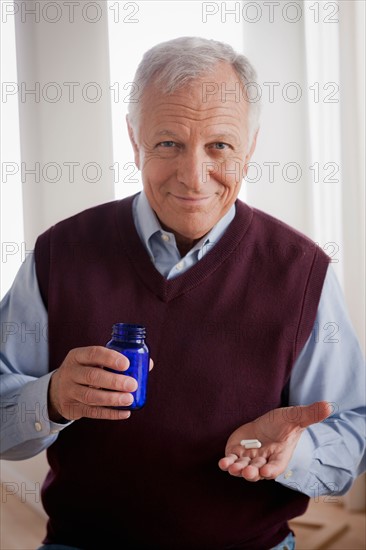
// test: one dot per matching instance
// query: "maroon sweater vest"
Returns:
(224, 337)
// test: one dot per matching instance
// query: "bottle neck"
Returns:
(126, 332)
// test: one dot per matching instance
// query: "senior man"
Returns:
(230, 297)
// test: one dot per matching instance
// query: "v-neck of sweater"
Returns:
(169, 289)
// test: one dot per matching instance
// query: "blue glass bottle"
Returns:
(129, 340)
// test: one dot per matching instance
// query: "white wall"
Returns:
(352, 49)
(11, 204)
(282, 189)
(70, 129)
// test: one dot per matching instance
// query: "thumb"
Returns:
(316, 412)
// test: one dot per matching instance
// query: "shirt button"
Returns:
(288, 474)
(38, 426)
(179, 266)
(165, 237)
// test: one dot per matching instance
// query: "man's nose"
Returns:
(194, 169)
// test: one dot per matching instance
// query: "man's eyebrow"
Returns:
(223, 136)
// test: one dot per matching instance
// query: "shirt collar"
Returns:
(146, 222)
(147, 225)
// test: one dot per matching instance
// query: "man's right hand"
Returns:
(79, 387)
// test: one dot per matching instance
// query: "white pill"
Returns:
(251, 443)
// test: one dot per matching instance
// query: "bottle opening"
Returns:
(128, 331)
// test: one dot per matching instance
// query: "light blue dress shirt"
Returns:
(329, 455)
(161, 245)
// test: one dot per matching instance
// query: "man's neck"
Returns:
(185, 247)
(184, 244)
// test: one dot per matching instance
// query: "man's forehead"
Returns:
(201, 95)
(172, 114)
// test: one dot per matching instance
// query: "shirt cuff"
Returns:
(297, 474)
(33, 419)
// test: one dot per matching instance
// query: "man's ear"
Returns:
(249, 154)
(135, 147)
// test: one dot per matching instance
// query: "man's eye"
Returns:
(167, 144)
(220, 145)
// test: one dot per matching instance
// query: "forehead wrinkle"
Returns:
(205, 118)
(223, 104)
(215, 124)
(220, 135)
(167, 132)
(216, 135)
(206, 129)
(171, 108)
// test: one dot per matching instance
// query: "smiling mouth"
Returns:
(192, 200)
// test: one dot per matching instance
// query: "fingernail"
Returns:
(130, 384)
(121, 364)
(128, 400)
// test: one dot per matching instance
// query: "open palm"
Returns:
(279, 431)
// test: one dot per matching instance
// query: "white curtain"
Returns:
(13, 248)
(335, 55)
(310, 152)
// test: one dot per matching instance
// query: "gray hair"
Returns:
(175, 63)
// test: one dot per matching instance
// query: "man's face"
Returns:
(191, 148)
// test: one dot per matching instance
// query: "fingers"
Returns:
(273, 469)
(316, 412)
(98, 355)
(100, 378)
(96, 404)
(300, 416)
(246, 467)
(76, 410)
(100, 398)
(239, 465)
(227, 461)
(253, 472)
(81, 387)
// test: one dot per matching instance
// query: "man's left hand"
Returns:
(278, 431)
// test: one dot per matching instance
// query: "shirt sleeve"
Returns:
(331, 454)
(24, 378)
